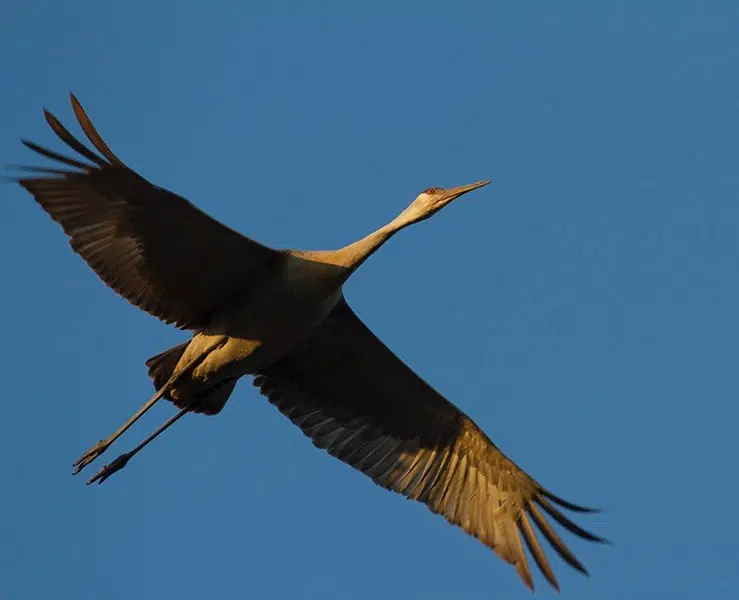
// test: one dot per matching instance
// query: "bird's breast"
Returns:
(279, 315)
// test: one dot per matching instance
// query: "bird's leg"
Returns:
(123, 459)
(103, 445)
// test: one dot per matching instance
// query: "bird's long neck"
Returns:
(351, 257)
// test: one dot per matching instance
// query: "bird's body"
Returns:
(292, 301)
(280, 315)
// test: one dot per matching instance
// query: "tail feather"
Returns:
(209, 402)
(163, 365)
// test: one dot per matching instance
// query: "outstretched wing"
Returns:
(153, 247)
(354, 398)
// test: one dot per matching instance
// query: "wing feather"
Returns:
(354, 398)
(151, 246)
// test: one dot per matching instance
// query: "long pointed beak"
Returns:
(453, 193)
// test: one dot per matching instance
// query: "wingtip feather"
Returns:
(568, 505)
(567, 523)
(536, 550)
(49, 116)
(92, 133)
(74, 101)
(525, 575)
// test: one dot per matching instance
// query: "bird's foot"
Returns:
(89, 456)
(113, 467)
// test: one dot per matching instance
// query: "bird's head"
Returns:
(427, 203)
(432, 200)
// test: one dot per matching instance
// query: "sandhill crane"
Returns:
(280, 316)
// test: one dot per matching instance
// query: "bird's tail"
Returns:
(209, 402)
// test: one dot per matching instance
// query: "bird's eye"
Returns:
(432, 190)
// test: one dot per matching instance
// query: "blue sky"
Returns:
(582, 309)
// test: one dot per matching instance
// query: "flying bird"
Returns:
(280, 316)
